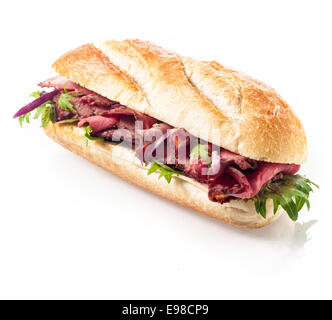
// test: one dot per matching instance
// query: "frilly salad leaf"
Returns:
(200, 151)
(64, 102)
(291, 193)
(164, 170)
(35, 94)
(88, 136)
(68, 121)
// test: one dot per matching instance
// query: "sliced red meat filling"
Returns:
(229, 176)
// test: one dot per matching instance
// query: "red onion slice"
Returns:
(154, 145)
(36, 103)
(215, 167)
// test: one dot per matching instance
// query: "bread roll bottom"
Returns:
(185, 191)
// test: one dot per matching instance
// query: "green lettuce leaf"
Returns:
(24, 117)
(164, 171)
(291, 193)
(48, 115)
(35, 94)
(200, 151)
(68, 121)
(88, 136)
(64, 102)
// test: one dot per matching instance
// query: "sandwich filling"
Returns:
(171, 151)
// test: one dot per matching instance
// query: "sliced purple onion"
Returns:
(151, 148)
(36, 103)
(215, 163)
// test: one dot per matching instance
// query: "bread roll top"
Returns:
(217, 104)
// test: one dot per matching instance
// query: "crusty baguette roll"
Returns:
(123, 163)
(212, 102)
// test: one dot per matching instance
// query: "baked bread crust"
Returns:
(123, 163)
(210, 101)
(88, 67)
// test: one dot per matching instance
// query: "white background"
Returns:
(70, 230)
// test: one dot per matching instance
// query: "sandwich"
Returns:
(197, 133)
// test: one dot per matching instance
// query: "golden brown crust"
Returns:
(185, 191)
(87, 66)
(269, 129)
(210, 101)
(218, 104)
